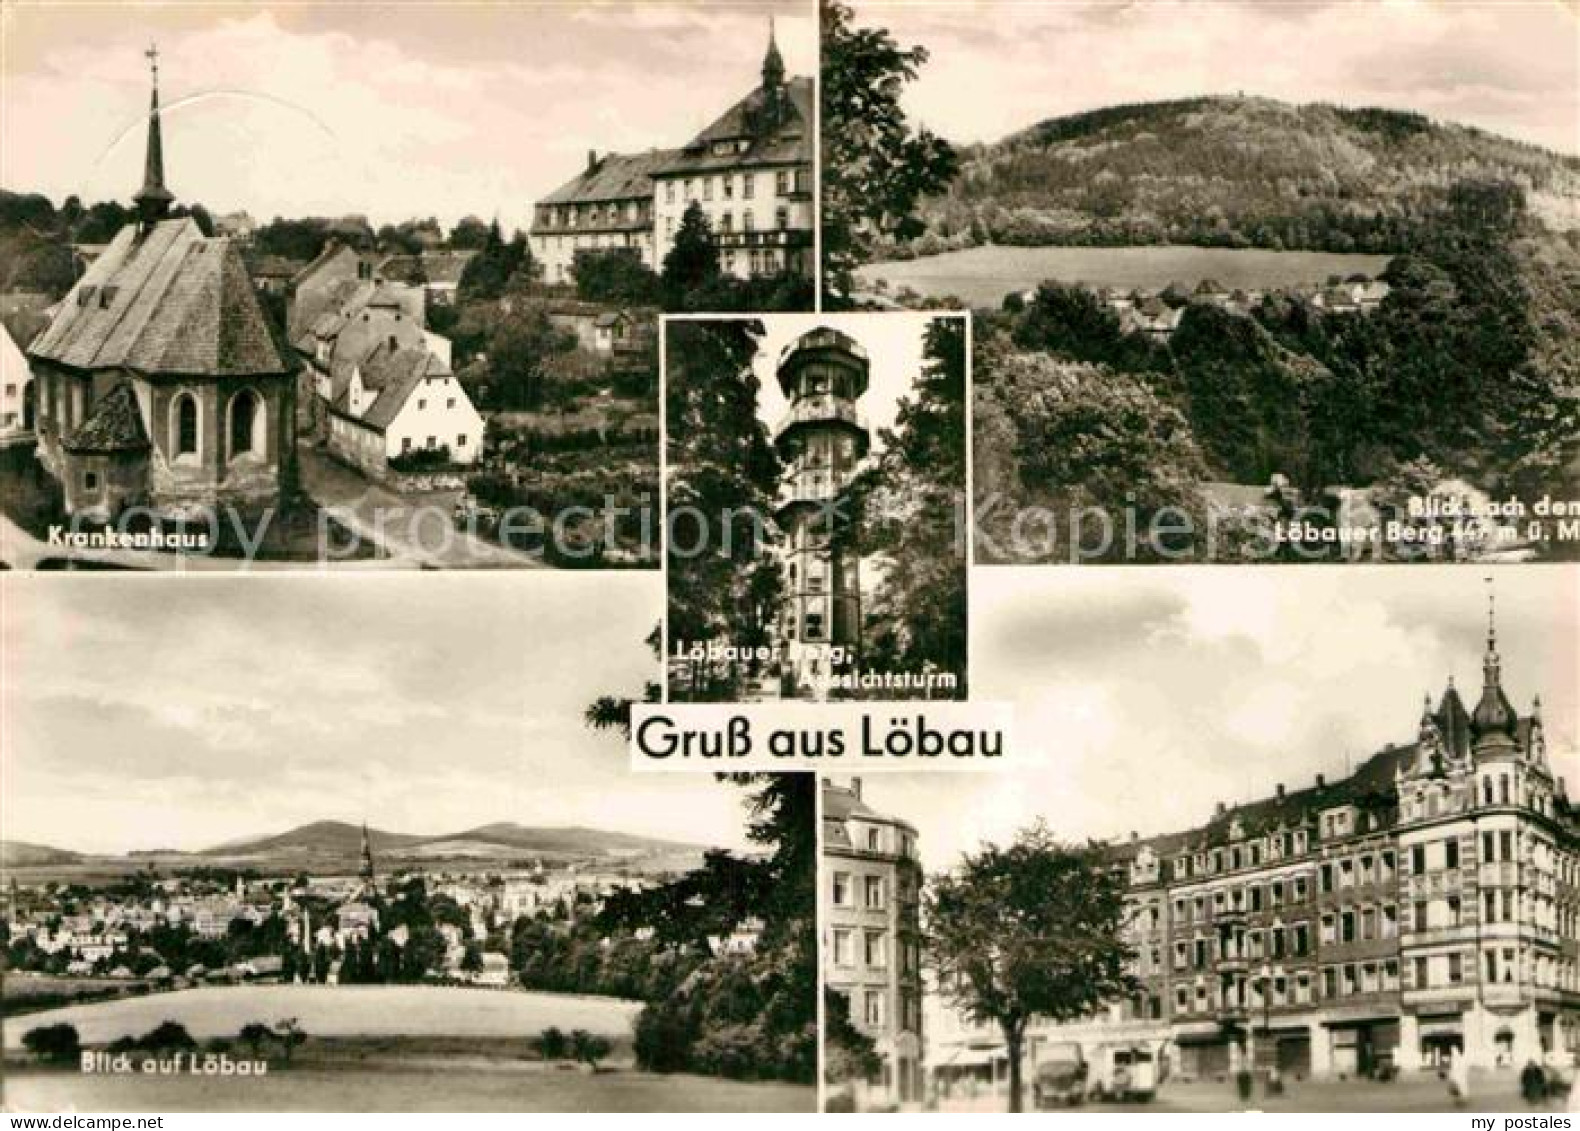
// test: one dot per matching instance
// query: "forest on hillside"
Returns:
(1469, 370)
(1228, 172)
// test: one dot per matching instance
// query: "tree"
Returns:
(692, 264)
(724, 584)
(848, 1053)
(290, 1034)
(167, 1036)
(1029, 930)
(616, 276)
(589, 1048)
(552, 1044)
(53, 1044)
(876, 168)
(469, 234)
(254, 1035)
(913, 511)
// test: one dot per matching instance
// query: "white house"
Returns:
(400, 400)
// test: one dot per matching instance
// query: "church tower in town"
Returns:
(365, 873)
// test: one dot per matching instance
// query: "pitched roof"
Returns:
(445, 268)
(393, 375)
(165, 301)
(788, 141)
(615, 176)
(24, 314)
(114, 424)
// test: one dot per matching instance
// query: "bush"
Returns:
(53, 1044)
(589, 1048)
(552, 1044)
(168, 1036)
(422, 459)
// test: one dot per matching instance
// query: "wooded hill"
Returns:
(1235, 172)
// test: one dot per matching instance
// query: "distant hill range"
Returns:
(1234, 171)
(338, 841)
(337, 845)
(17, 854)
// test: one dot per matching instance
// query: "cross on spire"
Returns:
(153, 199)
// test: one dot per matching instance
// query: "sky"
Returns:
(894, 344)
(390, 110)
(1143, 697)
(184, 712)
(1510, 66)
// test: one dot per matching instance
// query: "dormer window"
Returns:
(107, 296)
(85, 296)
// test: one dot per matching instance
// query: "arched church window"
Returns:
(244, 421)
(186, 425)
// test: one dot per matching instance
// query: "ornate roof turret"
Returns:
(154, 199)
(1494, 713)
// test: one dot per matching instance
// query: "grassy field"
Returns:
(403, 1074)
(341, 1011)
(982, 276)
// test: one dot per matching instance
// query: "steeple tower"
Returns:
(773, 62)
(153, 199)
(366, 872)
(1494, 713)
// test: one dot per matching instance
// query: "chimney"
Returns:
(1321, 782)
(1134, 836)
(392, 343)
(1220, 809)
(592, 160)
(1279, 793)
(855, 787)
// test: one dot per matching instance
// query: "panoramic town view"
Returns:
(1259, 265)
(1351, 891)
(368, 901)
(376, 353)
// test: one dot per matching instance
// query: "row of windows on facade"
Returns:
(873, 891)
(1357, 925)
(786, 183)
(1433, 799)
(874, 951)
(1496, 789)
(1497, 846)
(1500, 966)
(245, 431)
(725, 222)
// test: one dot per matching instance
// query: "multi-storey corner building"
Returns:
(870, 916)
(821, 440)
(750, 172)
(1425, 906)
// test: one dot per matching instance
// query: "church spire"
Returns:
(153, 199)
(773, 62)
(366, 872)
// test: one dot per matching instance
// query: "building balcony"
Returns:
(814, 486)
(738, 240)
(821, 409)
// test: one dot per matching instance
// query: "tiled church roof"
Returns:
(168, 300)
